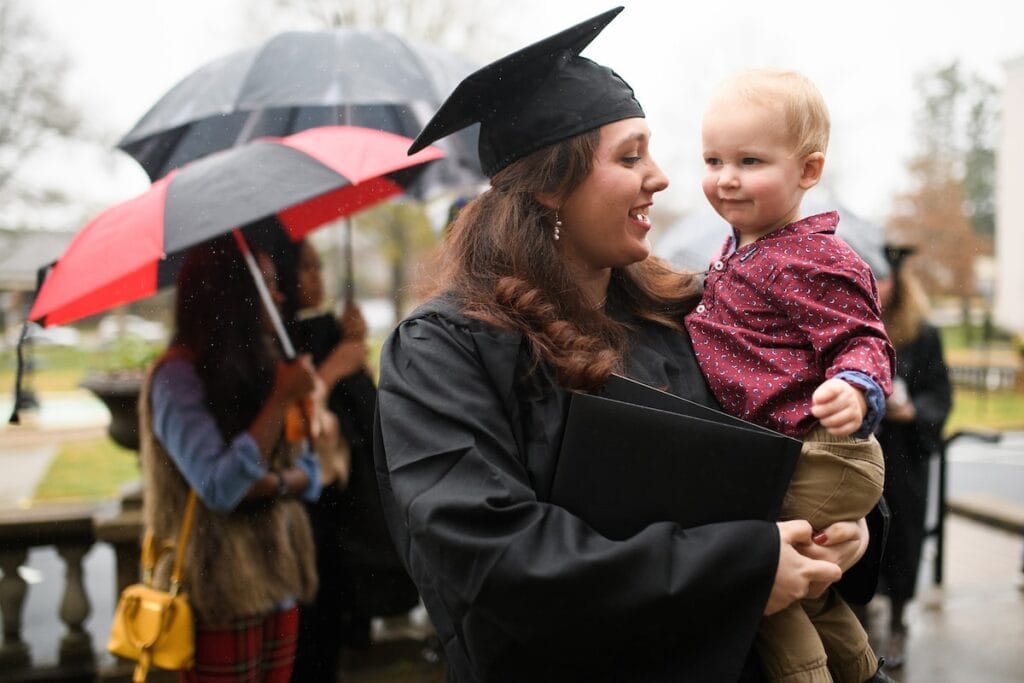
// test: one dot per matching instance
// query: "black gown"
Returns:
(908, 447)
(360, 573)
(520, 589)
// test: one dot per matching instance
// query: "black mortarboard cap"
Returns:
(896, 254)
(535, 97)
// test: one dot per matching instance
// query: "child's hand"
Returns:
(840, 407)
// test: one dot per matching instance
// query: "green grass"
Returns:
(55, 368)
(58, 368)
(962, 337)
(88, 470)
(1002, 410)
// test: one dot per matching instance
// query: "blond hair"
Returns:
(906, 310)
(802, 105)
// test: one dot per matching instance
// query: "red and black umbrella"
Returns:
(308, 179)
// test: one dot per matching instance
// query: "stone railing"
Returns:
(991, 369)
(72, 530)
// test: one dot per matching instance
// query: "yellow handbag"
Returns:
(151, 626)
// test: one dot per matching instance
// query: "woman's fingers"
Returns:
(353, 326)
(797, 575)
(795, 531)
(295, 379)
(844, 544)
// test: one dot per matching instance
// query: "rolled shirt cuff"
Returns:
(872, 394)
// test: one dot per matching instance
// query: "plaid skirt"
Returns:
(257, 649)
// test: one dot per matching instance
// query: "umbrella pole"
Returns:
(268, 303)
(350, 278)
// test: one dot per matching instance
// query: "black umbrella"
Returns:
(305, 79)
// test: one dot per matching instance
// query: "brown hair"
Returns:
(217, 320)
(500, 259)
(906, 310)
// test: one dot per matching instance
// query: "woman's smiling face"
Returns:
(605, 220)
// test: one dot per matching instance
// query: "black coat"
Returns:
(520, 589)
(360, 573)
(907, 447)
(376, 582)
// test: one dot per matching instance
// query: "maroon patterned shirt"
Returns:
(781, 315)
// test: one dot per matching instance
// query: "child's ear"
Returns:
(814, 164)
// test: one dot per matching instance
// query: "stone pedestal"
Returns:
(120, 393)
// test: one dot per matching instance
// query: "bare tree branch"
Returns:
(32, 107)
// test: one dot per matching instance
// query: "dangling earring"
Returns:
(558, 226)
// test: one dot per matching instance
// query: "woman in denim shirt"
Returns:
(212, 420)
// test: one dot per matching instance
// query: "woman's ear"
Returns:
(548, 199)
(814, 165)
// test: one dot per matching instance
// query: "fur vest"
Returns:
(242, 563)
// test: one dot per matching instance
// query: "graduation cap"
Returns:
(535, 97)
(896, 254)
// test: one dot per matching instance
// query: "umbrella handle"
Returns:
(268, 303)
(15, 419)
(298, 416)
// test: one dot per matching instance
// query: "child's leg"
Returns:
(836, 479)
(850, 657)
(790, 650)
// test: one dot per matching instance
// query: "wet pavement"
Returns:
(971, 628)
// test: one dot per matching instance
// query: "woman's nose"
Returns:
(656, 181)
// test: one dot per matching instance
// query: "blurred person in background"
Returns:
(212, 415)
(360, 574)
(910, 433)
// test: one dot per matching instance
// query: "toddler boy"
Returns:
(789, 335)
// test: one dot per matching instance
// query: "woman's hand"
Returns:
(900, 412)
(796, 573)
(332, 451)
(842, 543)
(353, 326)
(294, 380)
(346, 359)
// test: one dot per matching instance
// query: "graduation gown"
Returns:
(907, 447)
(467, 436)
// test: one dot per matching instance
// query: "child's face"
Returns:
(752, 174)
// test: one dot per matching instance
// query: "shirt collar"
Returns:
(824, 223)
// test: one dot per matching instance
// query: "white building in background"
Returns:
(1009, 247)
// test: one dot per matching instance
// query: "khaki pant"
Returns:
(836, 478)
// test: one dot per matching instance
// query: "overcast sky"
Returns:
(863, 55)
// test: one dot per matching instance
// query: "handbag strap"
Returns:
(150, 555)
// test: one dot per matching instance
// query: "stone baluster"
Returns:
(76, 644)
(14, 652)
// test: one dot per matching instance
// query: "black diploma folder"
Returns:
(636, 455)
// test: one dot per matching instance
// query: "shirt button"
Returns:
(719, 265)
(701, 308)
